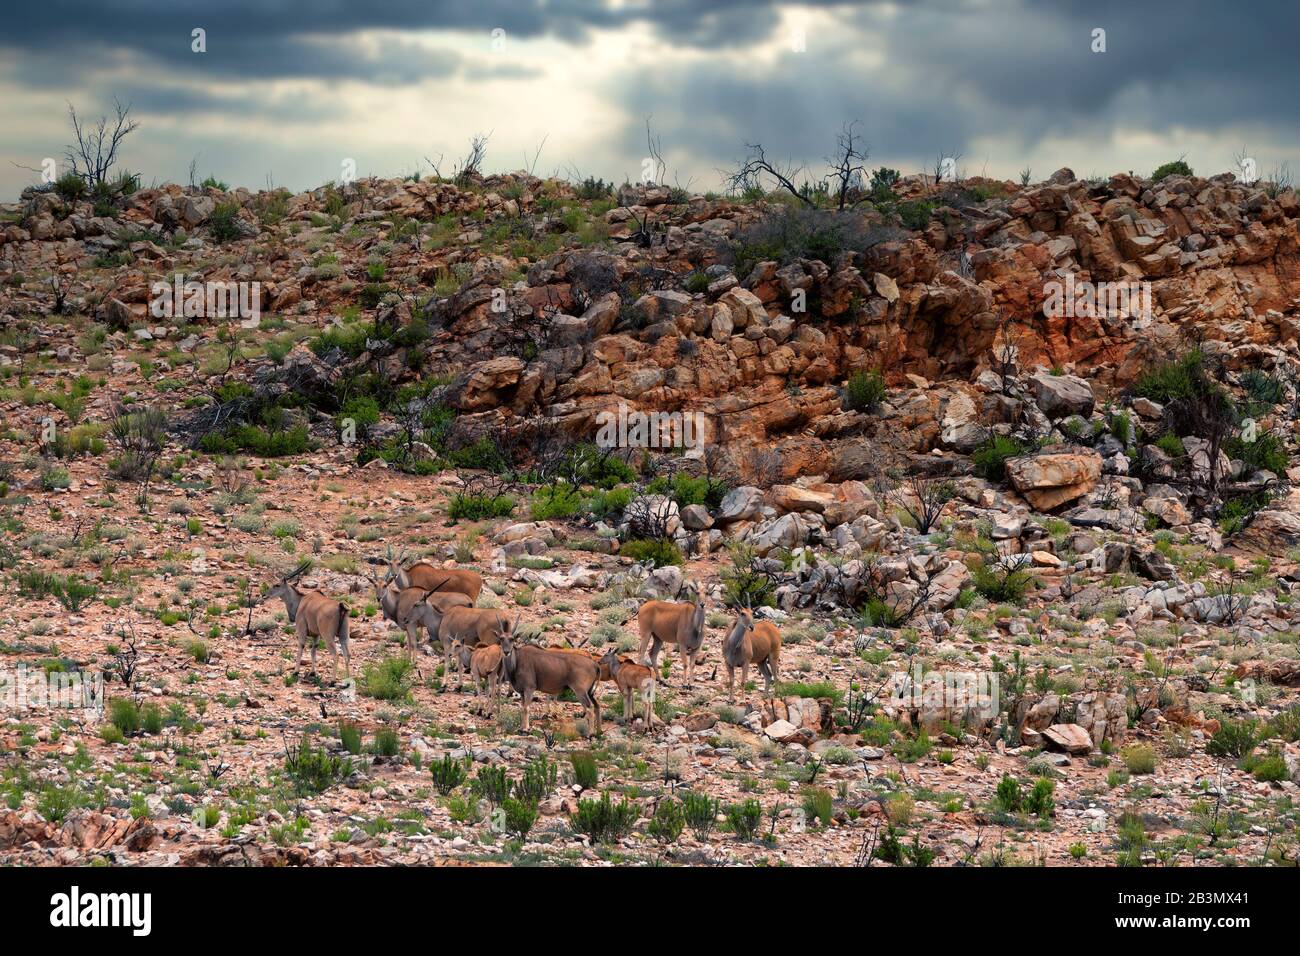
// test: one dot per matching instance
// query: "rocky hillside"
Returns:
(1008, 467)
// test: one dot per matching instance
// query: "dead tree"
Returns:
(94, 153)
(126, 659)
(931, 495)
(755, 165)
(846, 166)
(940, 162)
(470, 166)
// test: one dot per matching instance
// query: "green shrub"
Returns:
(389, 679)
(1177, 167)
(556, 502)
(1181, 378)
(687, 490)
(70, 186)
(915, 213)
(74, 593)
(314, 770)
(865, 391)
(818, 805)
(668, 822)
(608, 506)
(990, 459)
(151, 719)
(602, 820)
(912, 749)
(481, 455)
(124, 715)
(1039, 802)
(492, 785)
(701, 813)
(479, 507)
(223, 223)
(1263, 388)
(1237, 512)
(802, 233)
(661, 551)
(538, 780)
(448, 774)
(350, 737)
(745, 818)
(745, 583)
(1171, 445)
(520, 815)
(110, 734)
(256, 440)
(1000, 583)
(585, 772)
(1269, 768)
(1286, 725)
(386, 743)
(1266, 453)
(1139, 758)
(696, 282)
(55, 803)
(1234, 738)
(813, 691)
(1008, 798)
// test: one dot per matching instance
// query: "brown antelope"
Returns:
(669, 622)
(314, 615)
(470, 625)
(483, 664)
(530, 669)
(423, 574)
(398, 604)
(750, 643)
(594, 655)
(630, 678)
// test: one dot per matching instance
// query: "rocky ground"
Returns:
(909, 464)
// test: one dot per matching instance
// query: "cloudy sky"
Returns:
(286, 92)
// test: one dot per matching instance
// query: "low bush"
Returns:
(990, 459)
(865, 391)
(604, 821)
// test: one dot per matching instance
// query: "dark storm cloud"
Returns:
(954, 72)
(246, 29)
(923, 77)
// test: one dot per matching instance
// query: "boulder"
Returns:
(1271, 532)
(1061, 395)
(1049, 481)
(696, 518)
(743, 503)
(1071, 738)
(794, 498)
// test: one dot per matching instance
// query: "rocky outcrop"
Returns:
(1050, 480)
